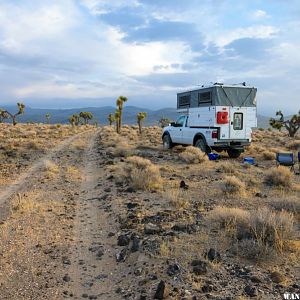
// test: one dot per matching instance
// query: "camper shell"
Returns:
(222, 116)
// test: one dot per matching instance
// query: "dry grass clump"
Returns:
(177, 197)
(271, 228)
(291, 205)
(142, 174)
(232, 185)
(229, 218)
(193, 155)
(268, 155)
(122, 149)
(263, 229)
(25, 203)
(52, 169)
(279, 177)
(227, 167)
(73, 173)
(294, 145)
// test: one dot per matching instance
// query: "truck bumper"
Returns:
(229, 144)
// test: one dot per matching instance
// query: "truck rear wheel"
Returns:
(167, 142)
(234, 153)
(201, 145)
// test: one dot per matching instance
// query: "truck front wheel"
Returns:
(201, 145)
(167, 142)
(234, 153)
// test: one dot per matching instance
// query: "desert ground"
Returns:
(86, 213)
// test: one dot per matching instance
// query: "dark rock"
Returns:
(152, 229)
(84, 295)
(260, 195)
(123, 240)
(161, 291)
(120, 257)
(100, 253)
(199, 267)
(107, 190)
(213, 255)
(183, 185)
(66, 278)
(110, 234)
(173, 269)
(131, 205)
(207, 288)
(135, 243)
(256, 279)
(130, 190)
(251, 291)
(188, 228)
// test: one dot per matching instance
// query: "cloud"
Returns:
(99, 49)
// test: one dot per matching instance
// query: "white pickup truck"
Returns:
(217, 118)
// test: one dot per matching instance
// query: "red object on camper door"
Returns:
(222, 117)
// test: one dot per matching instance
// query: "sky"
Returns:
(79, 53)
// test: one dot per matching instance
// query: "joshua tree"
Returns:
(291, 125)
(120, 103)
(48, 116)
(140, 119)
(3, 115)
(86, 116)
(163, 122)
(111, 118)
(117, 118)
(74, 120)
(21, 108)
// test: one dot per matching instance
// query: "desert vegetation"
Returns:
(152, 221)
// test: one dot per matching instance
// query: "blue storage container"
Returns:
(249, 160)
(213, 156)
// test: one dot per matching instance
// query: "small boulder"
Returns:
(173, 269)
(199, 267)
(162, 291)
(251, 291)
(123, 240)
(213, 255)
(152, 229)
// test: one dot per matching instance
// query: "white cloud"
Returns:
(260, 14)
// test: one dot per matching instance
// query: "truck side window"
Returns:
(237, 121)
(180, 121)
(204, 99)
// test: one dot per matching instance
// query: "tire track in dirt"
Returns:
(94, 271)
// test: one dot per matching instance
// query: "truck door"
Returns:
(237, 127)
(176, 130)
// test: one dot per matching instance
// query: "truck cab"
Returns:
(217, 118)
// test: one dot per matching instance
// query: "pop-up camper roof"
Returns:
(218, 95)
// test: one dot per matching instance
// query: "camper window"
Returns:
(204, 99)
(184, 101)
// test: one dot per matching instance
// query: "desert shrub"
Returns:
(232, 185)
(262, 230)
(272, 228)
(251, 249)
(229, 218)
(294, 145)
(177, 197)
(279, 177)
(193, 155)
(122, 149)
(268, 155)
(290, 205)
(227, 167)
(142, 174)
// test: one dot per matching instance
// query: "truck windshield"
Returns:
(180, 121)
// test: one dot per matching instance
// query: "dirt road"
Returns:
(56, 232)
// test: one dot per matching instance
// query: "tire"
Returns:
(167, 142)
(234, 153)
(200, 143)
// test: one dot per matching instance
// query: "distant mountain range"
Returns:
(37, 115)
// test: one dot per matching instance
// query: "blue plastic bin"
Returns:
(213, 156)
(249, 160)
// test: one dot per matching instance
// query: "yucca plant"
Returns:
(21, 107)
(140, 119)
(111, 118)
(120, 104)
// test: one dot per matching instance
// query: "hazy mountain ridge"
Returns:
(37, 115)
